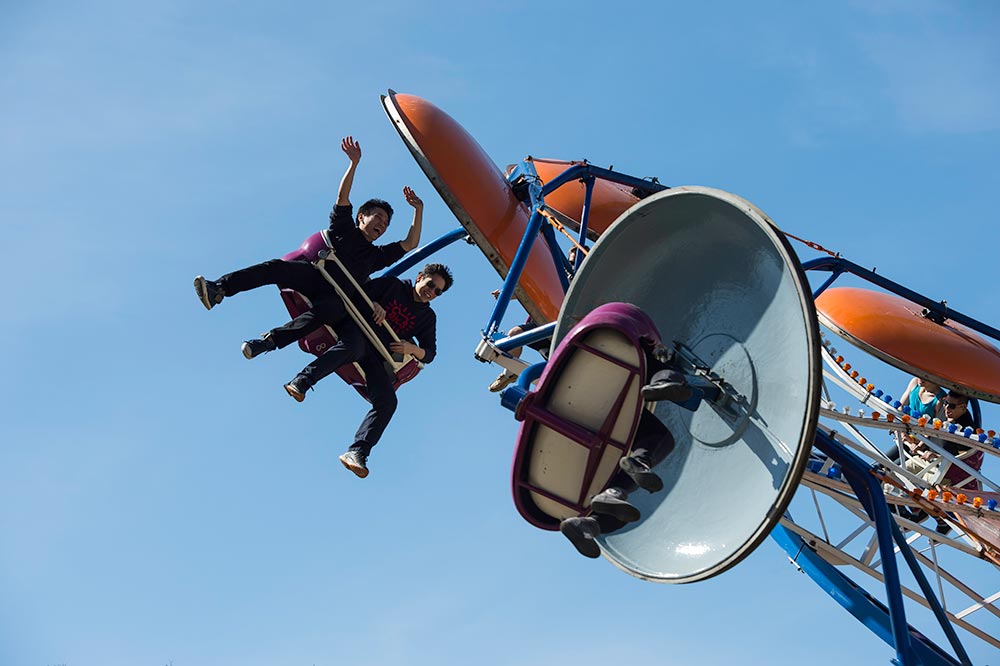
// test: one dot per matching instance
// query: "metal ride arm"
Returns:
(421, 253)
(553, 219)
(837, 266)
(536, 198)
(526, 338)
(866, 608)
(557, 256)
(523, 250)
(888, 622)
(352, 309)
(824, 554)
(490, 351)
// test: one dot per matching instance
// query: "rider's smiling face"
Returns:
(428, 287)
(954, 408)
(373, 224)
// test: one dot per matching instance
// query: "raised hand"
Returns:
(412, 198)
(351, 148)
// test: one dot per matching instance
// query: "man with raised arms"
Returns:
(353, 240)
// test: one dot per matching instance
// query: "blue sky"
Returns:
(161, 498)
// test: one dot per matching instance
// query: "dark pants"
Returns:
(302, 276)
(353, 347)
(653, 442)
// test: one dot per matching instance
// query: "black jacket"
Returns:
(409, 318)
(359, 255)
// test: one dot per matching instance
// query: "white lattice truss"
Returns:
(972, 541)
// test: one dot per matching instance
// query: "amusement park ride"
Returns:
(710, 276)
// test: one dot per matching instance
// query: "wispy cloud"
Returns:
(939, 80)
(902, 7)
(131, 77)
(938, 64)
(887, 66)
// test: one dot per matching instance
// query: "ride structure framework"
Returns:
(720, 256)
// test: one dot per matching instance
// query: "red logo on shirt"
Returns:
(401, 319)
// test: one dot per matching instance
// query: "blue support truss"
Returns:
(888, 622)
(425, 251)
(525, 174)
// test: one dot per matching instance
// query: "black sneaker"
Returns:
(252, 348)
(901, 511)
(614, 502)
(942, 528)
(667, 385)
(581, 532)
(665, 356)
(355, 461)
(297, 388)
(640, 472)
(210, 293)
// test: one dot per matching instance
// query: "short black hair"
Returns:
(961, 397)
(370, 205)
(442, 271)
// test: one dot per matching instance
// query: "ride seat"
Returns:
(320, 340)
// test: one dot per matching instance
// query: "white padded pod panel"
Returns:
(718, 277)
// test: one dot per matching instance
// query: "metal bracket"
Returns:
(488, 352)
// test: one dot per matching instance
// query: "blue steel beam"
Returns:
(558, 258)
(839, 265)
(892, 627)
(585, 217)
(868, 610)
(583, 171)
(528, 337)
(423, 252)
(514, 273)
(536, 199)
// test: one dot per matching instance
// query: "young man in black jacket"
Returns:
(406, 307)
(353, 240)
